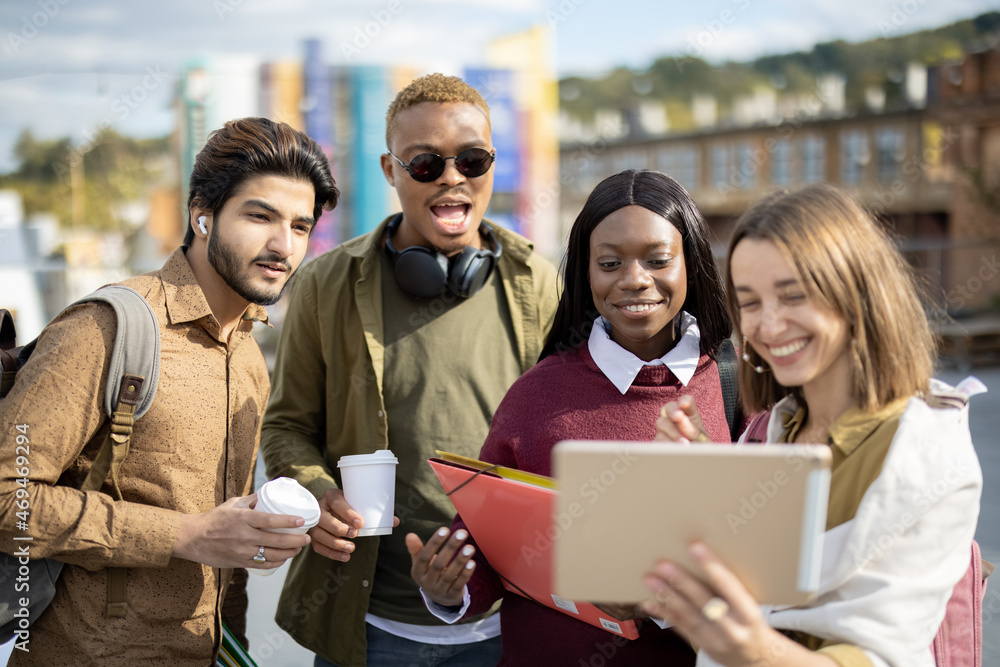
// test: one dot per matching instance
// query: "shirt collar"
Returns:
(849, 430)
(185, 300)
(621, 366)
(853, 427)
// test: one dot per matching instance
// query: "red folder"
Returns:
(512, 520)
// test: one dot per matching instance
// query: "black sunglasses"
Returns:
(428, 167)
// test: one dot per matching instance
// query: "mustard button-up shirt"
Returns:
(193, 450)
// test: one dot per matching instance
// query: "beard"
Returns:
(230, 267)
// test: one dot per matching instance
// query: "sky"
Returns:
(70, 66)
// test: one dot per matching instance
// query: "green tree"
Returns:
(113, 170)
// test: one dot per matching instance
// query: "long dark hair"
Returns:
(657, 192)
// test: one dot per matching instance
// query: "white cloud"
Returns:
(92, 51)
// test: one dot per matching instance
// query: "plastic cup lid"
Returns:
(375, 458)
(286, 496)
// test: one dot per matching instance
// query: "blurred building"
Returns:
(343, 108)
(930, 169)
(967, 102)
(33, 278)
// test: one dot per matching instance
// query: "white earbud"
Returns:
(201, 225)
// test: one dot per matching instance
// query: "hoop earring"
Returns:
(746, 357)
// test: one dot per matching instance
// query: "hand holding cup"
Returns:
(285, 496)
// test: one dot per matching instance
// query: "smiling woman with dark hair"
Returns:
(658, 194)
(639, 322)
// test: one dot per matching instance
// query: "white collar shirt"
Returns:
(621, 366)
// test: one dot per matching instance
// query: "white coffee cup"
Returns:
(284, 495)
(369, 484)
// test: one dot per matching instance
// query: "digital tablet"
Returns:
(624, 505)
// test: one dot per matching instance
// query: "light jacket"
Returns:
(888, 573)
(327, 402)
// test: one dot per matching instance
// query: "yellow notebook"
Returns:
(503, 471)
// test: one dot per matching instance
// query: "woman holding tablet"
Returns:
(639, 322)
(835, 338)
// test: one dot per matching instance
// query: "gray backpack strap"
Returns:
(133, 374)
(137, 345)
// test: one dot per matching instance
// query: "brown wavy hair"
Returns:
(249, 147)
(846, 263)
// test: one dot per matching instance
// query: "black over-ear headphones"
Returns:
(425, 272)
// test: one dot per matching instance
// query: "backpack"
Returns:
(727, 363)
(131, 386)
(959, 640)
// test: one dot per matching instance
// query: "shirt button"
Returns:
(380, 413)
(365, 583)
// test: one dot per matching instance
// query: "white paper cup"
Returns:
(369, 484)
(286, 496)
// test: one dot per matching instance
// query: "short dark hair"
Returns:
(248, 147)
(664, 196)
(435, 87)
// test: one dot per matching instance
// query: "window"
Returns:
(681, 163)
(854, 156)
(689, 169)
(889, 153)
(630, 158)
(813, 159)
(745, 174)
(722, 155)
(781, 162)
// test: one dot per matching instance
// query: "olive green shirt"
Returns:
(859, 441)
(445, 403)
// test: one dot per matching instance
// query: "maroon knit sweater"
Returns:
(567, 397)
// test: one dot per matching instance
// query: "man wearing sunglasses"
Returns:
(406, 338)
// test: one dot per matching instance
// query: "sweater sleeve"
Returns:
(485, 586)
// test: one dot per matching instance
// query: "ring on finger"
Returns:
(259, 558)
(715, 609)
